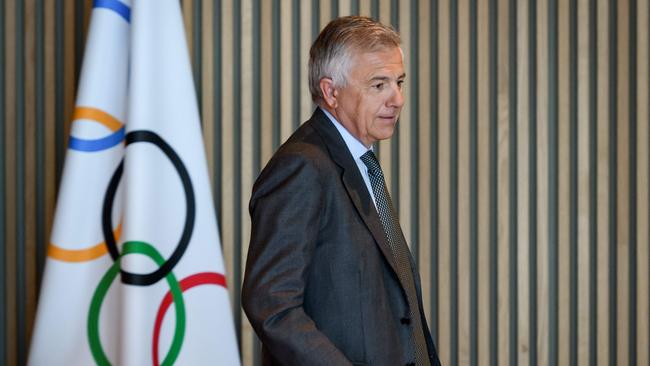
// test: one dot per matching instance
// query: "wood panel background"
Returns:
(520, 167)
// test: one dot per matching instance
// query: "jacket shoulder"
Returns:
(304, 156)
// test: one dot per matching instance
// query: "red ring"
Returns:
(203, 278)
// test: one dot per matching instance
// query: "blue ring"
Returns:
(97, 144)
(121, 9)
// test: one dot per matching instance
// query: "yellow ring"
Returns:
(81, 255)
(97, 115)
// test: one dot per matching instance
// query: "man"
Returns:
(329, 279)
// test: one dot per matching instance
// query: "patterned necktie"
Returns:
(400, 250)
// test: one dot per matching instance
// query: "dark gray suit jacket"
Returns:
(320, 286)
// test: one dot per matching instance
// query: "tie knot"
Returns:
(371, 162)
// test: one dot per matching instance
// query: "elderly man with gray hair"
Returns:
(329, 277)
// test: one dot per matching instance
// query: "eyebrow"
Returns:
(386, 78)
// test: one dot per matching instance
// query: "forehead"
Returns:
(386, 62)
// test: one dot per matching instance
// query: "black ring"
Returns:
(107, 209)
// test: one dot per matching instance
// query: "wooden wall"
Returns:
(520, 168)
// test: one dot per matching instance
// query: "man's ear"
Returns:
(329, 92)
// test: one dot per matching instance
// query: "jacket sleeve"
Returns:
(286, 209)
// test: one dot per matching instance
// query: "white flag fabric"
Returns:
(134, 274)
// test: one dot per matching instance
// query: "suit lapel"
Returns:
(353, 182)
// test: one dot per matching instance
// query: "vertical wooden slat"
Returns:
(78, 41)
(10, 183)
(613, 182)
(603, 330)
(28, 263)
(523, 206)
(553, 181)
(493, 220)
(57, 62)
(386, 146)
(513, 293)
(433, 166)
(632, 186)
(226, 146)
(314, 19)
(583, 209)
(69, 74)
(503, 190)
(3, 214)
(241, 66)
(413, 144)
(20, 181)
(266, 111)
(39, 150)
(364, 10)
(50, 119)
(216, 84)
(444, 323)
(296, 62)
(533, 179)
(484, 200)
(622, 185)
(281, 127)
(208, 91)
(425, 146)
(463, 184)
(345, 7)
(564, 199)
(334, 9)
(256, 83)
(285, 72)
(473, 339)
(503, 164)
(305, 43)
(593, 182)
(247, 152)
(643, 177)
(354, 6)
(453, 181)
(403, 201)
(86, 8)
(197, 53)
(325, 12)
(188, 22)
(542, 185)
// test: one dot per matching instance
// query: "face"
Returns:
(369, 105)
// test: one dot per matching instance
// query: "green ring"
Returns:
(134, 247)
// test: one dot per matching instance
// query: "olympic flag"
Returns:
(134, 274)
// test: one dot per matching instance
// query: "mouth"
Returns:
(390, 119)
(392, 116)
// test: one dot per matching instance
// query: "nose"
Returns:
(396, 99)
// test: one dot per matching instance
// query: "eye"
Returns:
(378, 86)
(400, 83)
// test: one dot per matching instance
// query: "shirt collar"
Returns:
(355, 146)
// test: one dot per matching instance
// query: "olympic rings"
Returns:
(166, 267)
(133, 247)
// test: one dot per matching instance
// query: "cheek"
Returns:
(373, 106)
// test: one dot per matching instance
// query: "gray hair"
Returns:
(332, 53)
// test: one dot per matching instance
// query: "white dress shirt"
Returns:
(356, 149)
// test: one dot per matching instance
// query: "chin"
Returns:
(387, 124)
(385, 135)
